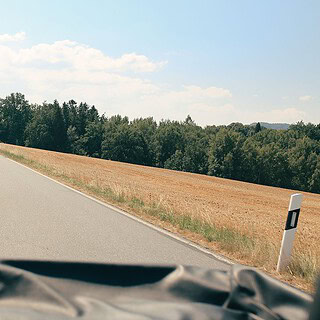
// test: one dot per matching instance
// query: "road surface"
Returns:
(42, 219)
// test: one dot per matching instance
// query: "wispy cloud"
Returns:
(19, 36)
(287, 115)
(305, 98)
(228, 112)
(81, 57)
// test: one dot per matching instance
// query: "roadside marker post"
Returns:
(289, 232)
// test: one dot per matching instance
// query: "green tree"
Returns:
(225, 154)
(38, 133)
(257, 128)
(146, 129)
(314, 181)
(310, 130)
(92, 139)
(303, 160)
(273, 166)
(15, 113)
(167, 140)
(251, 168)
(122, 142)
(47, 130)
(196, 145)
(76, 144)
(244, 130)
(176, 161)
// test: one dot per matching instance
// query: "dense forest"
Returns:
(283, 158)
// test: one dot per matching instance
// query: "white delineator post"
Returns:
(289, 232)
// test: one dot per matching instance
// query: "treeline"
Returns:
(283, 158)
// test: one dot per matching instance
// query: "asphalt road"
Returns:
(41, 219)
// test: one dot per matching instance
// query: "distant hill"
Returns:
(276, 126)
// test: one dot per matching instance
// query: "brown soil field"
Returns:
(254, 210)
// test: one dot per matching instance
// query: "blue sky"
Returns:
(219, 61)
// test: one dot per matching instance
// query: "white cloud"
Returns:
(208, 114)
(19, 36)
(227, 113)
(210, 92)
(190, 95)
(279, 115)
(305, 98)
(80, 57)
(203, 104)
(287, 115)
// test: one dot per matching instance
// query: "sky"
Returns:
(217, 61)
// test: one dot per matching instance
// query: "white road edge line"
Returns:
(167, 233)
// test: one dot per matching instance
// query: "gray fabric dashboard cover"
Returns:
(59, 290)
